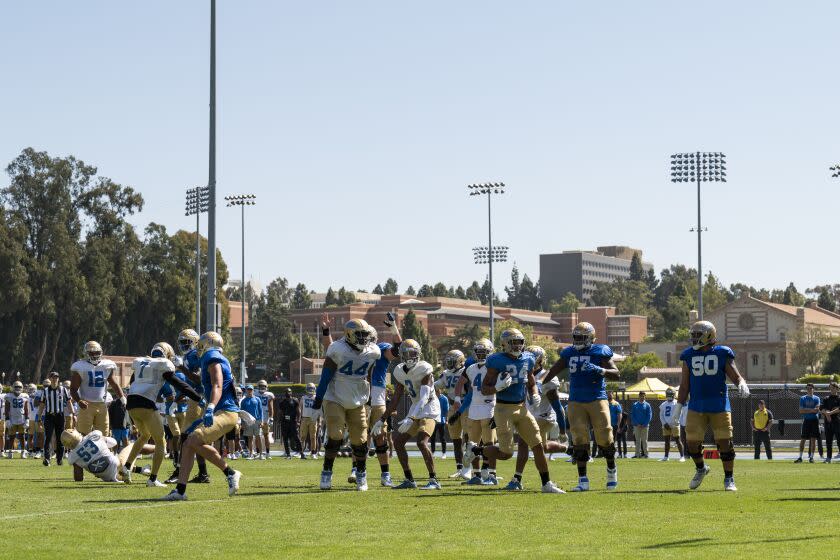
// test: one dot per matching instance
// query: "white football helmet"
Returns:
(703, 333)
(410, 352)
(454, 360)
(162, 350)
(262, 386)
(17, 387)
(210, 339)
(481, 349)
(539, 356)
(513, 342)
(93, 352)
(187, 339)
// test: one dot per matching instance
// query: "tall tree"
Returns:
(473, 291)
(411, 328)
(460, 293)
(569, 304)
(513, 292)
(425, 291)
(390, 287)
(331, 298)
(378, 290)
(301, 298)
(792, 296)
(637, 273)
(439, 290)
(715, 295)
(410, 291)
(811, 348)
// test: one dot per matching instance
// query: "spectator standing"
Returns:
(51, 409)
(253, 406)
(830, 409)
(809, 408)
(289, 423)
(621, 434)
(641, 415)
(440, 426)
(119, 422)
(761, 423)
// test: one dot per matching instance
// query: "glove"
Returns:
(743, 389)
(391, 323)
(202, 403)
(208, 416)
(123, 400)
(536, 400)
(503, 382)
(317, 404)
(454, 418)
(405, 424)
(271, 422)
(376, 430)
(589, 367)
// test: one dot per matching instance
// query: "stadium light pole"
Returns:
(698, 167)
(242, 200)
(211, 182)
(484, 255)
(196, 204)
(489, 189)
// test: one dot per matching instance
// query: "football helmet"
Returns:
(669, 393)
(481, 349)
(374, 336)
(93, 352)
(31, 388)
(262, 385)
(410, 352)
(703, 333)
(187, 339)
(454, 360)
(17, 387)
(513, 342)
(210, 339)
(310, 388)
(583, 335)
(539, 355)
(162, 350)
(70, 438)
(357, 332)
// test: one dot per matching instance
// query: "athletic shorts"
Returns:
(510, 416)
(697, 422)
(810, 428)
(120, 434)
(422, 425)
(595, 413)
(673, 431)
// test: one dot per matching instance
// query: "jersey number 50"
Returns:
(704, 365)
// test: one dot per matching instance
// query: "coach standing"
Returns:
(289, 424)
(641, 414)
(55, 398)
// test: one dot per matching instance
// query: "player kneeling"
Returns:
(93, 454)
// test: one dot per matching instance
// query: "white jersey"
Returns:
(481, 406)
(349, 386)
(447, 382)
(36, 398)
(17, 405)
(94, 378)
(544, 411)
(93, 454)
(308, 402)
(683, 415)
(666, 413)
(148, 377)
(265, 398)
(412, 380)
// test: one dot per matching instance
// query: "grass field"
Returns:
(779, 509)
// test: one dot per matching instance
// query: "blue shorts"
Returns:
(120, 434)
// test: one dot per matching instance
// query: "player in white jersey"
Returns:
(267, 401)
(447, 385)
(415, 377)
(2, 422)
(17, 411)
(150, 373)
(549, 412)
(35, 433)
(93, 454)
(670, 424)
(479, 409)
(309, 418)
(344, 389)
(89, 384)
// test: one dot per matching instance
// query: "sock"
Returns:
(137, 469)
(432, 474)
(328, 463)
(485, 465)
(181, 488)
(228, 471)
(727, 474)
(384, 468)
(152, 477)
(518, 476)
(361, 467)
(492, 472)
(459, 466)
(408, 475)
(581, 468)
(544, 477)
(701, 465)
(611, 463)
(202, 468)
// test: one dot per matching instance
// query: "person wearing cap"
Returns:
(309, 418)
(830, 410)
(253, 406)
(289, 422)
(54, 398)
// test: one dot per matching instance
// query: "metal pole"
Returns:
(198, 270)
(699, 247)
(211, 183)
(490, 262)
(300, 354)
(242, 373)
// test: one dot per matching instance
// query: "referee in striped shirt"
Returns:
(55, 398)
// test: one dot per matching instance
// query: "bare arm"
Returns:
(732, 372)
(488, 386)
(216, 380)
(460, 387)
(531, 384)
(391, 405)
(684, 381)
(555, 370)
(75, 383)
(611, 371)
(116, 387)
(326, 339)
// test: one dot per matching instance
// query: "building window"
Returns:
(772, 359)
(755, 359)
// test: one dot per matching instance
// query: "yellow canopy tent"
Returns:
(652, 386)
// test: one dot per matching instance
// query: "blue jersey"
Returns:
(518, 369)
(379, 375)
(180, 406)
(191, 360)
(707, 390)
(228, 399)
(807, 401)
(587, 386)
(615, 413)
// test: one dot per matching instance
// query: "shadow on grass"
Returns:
(619, 492)
(804, 499)
(694, 543)
(832, 489)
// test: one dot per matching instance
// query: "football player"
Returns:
(549, 413)
(510, 377)
(35, 432)
(189, 364)
(150, 374)
(415, 377)
(670, 424)
(221, 415)
(71, 408)
(93, 454)
(343, 391)
(589, 366)
(454, 364)
(267, 399)
(705, 367)
(17, 412)
(309, 421)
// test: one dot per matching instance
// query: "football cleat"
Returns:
(352, 477)
(490, 480)
(361, 482)
(582, 485)
(25, 455)
(433, 484)
(155, 483)
(682, 459)
(699, 475)
(405, 485)
(612, 479)
(200, 479)
(326, 480)
(233, 483)
(146, 470)
(474, 481)
(466, 472)
(729, 485)
(513, 486)
(665, 458)
(799, 460)
(385, 480)
(126, 474)
(551, 488)
(174, 496)
(469, 455)
(173, 478)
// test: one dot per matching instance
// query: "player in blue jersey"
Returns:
(510, 377)
(188, 363)
(705, 367)
(176, 412)
(589, 366)
(220, 416)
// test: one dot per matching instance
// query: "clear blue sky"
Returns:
(358, 125)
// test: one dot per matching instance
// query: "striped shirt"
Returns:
(54, 399)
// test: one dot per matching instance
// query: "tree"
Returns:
(629, 297)
(637, 273)
(378, 290)
(514, 289)
(439, 290)
(827, 296)
(810, 347)
(832, 360)
(473, 291)
(390, 287)
(462, 339)
(569, 304)
(301, 298)
(344, 297)
(827, 301)
(529, 296)
(714, 294)
(630, 366)
(460, 293)
(410, 291)
(792, 296)
(331, 298)
(274, 340)
(411, 328)
(425, 291)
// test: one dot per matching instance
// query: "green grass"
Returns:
(780, 510)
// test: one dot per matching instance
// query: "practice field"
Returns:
(780, 510)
